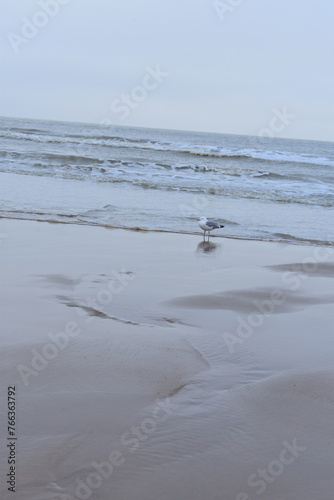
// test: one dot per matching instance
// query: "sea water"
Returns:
(258, 188)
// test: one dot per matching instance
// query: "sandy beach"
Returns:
(153, 365)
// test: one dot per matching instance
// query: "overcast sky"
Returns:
(228, 66)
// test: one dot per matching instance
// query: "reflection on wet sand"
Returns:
(207, 247)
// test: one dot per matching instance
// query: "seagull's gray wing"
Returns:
(212, 224)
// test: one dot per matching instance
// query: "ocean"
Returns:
(258, 188)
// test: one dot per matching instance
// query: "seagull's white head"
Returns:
(202, 219)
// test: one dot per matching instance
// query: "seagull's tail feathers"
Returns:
(221, 226)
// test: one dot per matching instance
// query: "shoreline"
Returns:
(284, 241)
(143, 357)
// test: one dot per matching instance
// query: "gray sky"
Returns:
(231, 66)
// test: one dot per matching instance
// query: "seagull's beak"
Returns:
(198, 219)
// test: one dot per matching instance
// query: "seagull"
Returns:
(208, 225)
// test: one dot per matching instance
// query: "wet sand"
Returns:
(154, 365)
